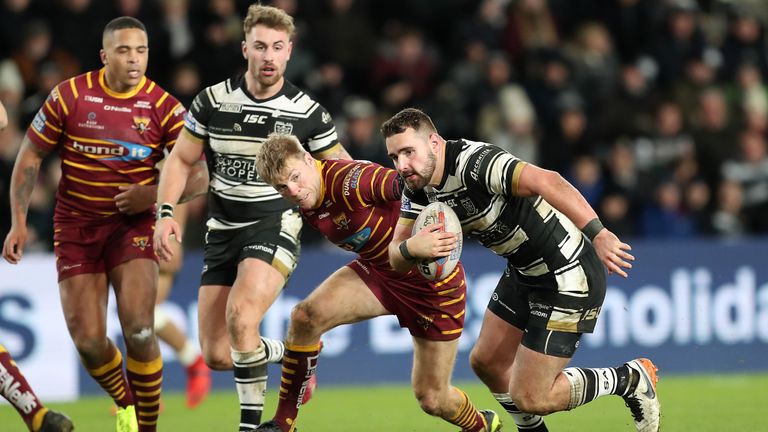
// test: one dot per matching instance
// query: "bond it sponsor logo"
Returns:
(118, 150)
(142, 104)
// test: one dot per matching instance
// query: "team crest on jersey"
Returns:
(341, 221)
(326, 117)
(141, 124)
(283, 127)
(425, 321)
(469, 206)
(141, 242)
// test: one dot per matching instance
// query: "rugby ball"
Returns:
(436, 269)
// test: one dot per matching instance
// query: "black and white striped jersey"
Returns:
(477, 183)
(234, 124)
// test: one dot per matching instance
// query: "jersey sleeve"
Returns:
(411, 204)
(199, 115)
(378, 184)
(172, 120)
(494, 170)
(322, 133)
(47, 127)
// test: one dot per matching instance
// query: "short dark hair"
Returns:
(408, 118)
(123, 22)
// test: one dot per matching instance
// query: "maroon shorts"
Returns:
(98, 247)
(429, 310)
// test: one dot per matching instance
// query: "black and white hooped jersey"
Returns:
(477, 183)
(234, 124)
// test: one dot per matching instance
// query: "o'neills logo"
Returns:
(9, 388)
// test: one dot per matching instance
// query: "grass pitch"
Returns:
(689, 403)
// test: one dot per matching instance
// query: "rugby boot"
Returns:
(492, 421)
(311, 385)
(56, 422)
(643, 401)
(126, 420)
(198, 382)
(271, 426)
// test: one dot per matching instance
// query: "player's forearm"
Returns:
(396, 259)
(23, 180)
(173, 180)
(566, 199)
(197, 182)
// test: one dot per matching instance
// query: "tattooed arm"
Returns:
(23, 179)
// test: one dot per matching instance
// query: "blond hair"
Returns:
(270, 17)
(275, 153)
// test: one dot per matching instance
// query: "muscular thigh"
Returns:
(433, 363)
(84, 303)
(135, 284)
(342, 298)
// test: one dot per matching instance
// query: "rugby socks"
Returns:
(251, 382)
(15, 388)
(467, 417)
(146, 379)
(274, 349)
(588, 384)
(299, 364)
(112, 379)
(525, 422)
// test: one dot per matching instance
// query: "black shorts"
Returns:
(274, 240)
(554, 309)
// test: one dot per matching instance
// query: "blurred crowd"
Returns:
(656, 110)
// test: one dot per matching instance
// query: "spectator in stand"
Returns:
(665, 217)
(714, 136)
(680, 39)
(344, 35)
(668, 142)
(596, 66)
(530, 28)
(750, 170)
(570, 138)
(361, 135)
(745, 42)
(728, 219)
(35, 51)
(629, 110)
(406, 75)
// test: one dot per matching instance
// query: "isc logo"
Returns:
(255, 118)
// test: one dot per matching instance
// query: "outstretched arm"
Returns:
(567, 200)
(176, 175)
(23, 179)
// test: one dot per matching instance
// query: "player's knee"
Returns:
(89, 345)
(304, 318)
(481, 362)
(215, 357)
(429, 401)
(139, 336)
(529, 402)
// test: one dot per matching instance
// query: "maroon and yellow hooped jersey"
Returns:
(359, 207)
(105, 140)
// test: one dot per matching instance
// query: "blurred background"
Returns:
(656, 110)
